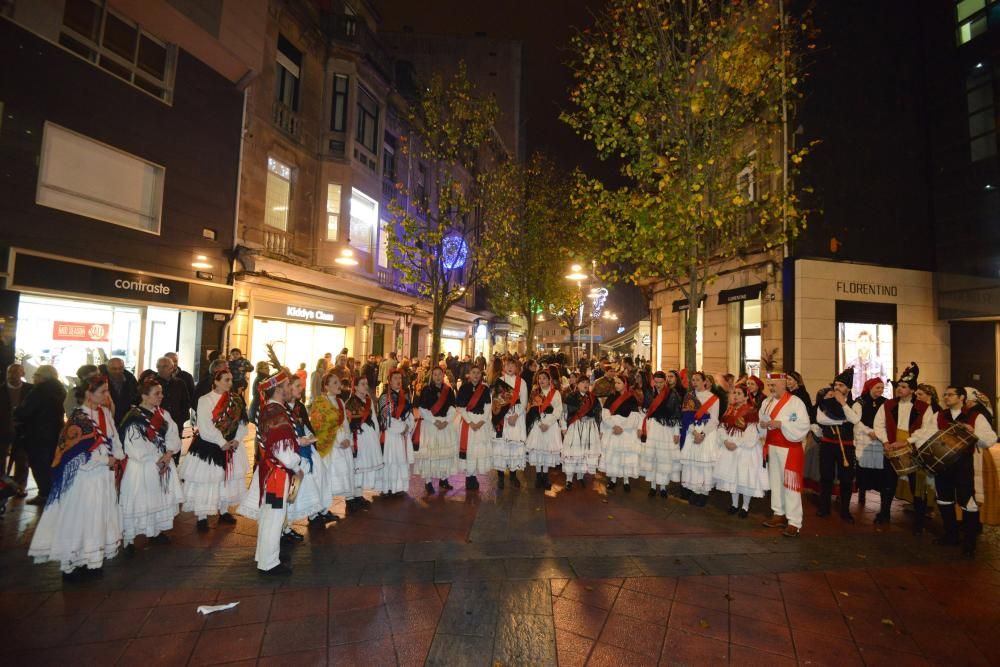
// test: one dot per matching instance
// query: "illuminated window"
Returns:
(333, 211)
(277, 196)
(364, 218)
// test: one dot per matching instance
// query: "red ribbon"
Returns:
(477, 395)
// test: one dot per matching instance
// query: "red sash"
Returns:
(463, 443)
(515, 396)
(397, 413)
(547, 402)
(584, 409)
(617, 403)
(445, 392)
(705, 407)
(653, 406)
(364, 417)
(795, 462)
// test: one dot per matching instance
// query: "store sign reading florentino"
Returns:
(868, 289)
(316, 315)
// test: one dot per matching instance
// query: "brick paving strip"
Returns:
(495, 586)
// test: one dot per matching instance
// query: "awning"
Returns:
(747, 293)
(682, 304)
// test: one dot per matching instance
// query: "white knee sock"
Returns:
(736, 499)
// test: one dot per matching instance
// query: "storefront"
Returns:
(71, 312)
(453, 341)
(300, 332)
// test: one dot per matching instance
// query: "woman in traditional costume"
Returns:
(333, 441)
(151, 493)
(543, 421)
(81, 523)
(620, 445)
(367, 450)
(309, 501)
(214, 470)
(739, 468)
(395, 416)
(699, 419)
(581, 452)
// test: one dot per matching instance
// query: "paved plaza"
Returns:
(518, 577)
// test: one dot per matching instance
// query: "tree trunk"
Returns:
(437, 323)
(572, 346)
(691, 321)
(529, 334)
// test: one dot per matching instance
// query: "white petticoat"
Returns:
(340, 470)
(206, 489)
(147, 508)
(82, 527)
(698, 463)
(660, 457)
(544, 448)
(368, 464)
(397, 455)
(437, 457)
(581, 453)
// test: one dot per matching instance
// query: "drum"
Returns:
(945, 448)
(604, 386)
(902, 457)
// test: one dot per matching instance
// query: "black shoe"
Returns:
(515, 480)
(546, 483)
(445, 484)
(743, 514)
(968, 554)
(95, 573)
(685, 494)
(279, 570)
(318, 521)
(612, 485)
(626, 488)
(228, 518)
(847, 518)
(823, 513)
(162, 538)
(429, 488)
(129, 551)
(500, 478)
(663, 493)
(37, 500)
(539, 480)
(881, 519)
(652, 492)
(947, 540)
(733, 510)
(364, 502)
(291, 537)
(330, 517)
(202, 525)
(569, 485)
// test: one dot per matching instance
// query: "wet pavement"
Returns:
(518, 577)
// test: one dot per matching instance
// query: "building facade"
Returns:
(121, 135)
(323, 159)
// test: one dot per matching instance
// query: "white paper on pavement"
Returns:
(207, 609)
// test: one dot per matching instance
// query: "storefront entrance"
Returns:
(296, 343)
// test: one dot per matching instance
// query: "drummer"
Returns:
(957, 483)
(898, 420)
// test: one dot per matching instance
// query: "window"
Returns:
(338, 114)
(277, 196)
(287, 74)
(118, 46)
(82, 176)
(980, 106)
(385, 227)
(750, 339)
(975, 17)
(421, 189)
(364, 217)
(333, 212)
(367, 121)
(389, 157)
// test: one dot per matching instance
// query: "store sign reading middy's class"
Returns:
(866, 289)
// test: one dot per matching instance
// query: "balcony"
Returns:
(286, 119)
(277, 241)
(353, 33)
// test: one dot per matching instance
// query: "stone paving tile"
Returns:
(745, 656)
(572, 650)
(633, 634)
(605, 655)
(687, 649)
(526, 597)
(357, 625)
(169, 650)
(294, 635)
(819, 649)
(468, 570)
(525, 639)
(241, 642)
(700, 621)
(370, 653)
(642, 606)
(469, 616)
(537, 568)
(667, 566)
(599, 567)
(595, 592)
(398, 573)
(579, 618)
(460, 651)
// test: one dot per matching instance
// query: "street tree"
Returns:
(572, 310)
(435, 247)
(527, 237)
(692, 98)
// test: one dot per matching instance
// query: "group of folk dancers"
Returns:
(113, 483)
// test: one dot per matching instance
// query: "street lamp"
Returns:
(576, 273)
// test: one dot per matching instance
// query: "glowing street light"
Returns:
(346, 258)
(576, 273)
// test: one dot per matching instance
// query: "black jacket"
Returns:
(176, 400)
(125, 397)
(7, 422)
(188, 381)
(41, 414)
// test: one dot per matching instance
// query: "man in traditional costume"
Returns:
(898, 420)
(784, 423)
(660, 434)
(438, 454)
(475, 447)
(958, 482)
(279, 463)
(837, 415)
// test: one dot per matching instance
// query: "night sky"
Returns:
(544, 28)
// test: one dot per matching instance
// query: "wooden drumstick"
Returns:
(843, 452)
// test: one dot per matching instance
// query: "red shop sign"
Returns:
(86, 331)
